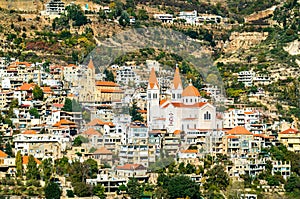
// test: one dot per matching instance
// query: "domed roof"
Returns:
(190, 91)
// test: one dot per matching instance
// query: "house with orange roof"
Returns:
(189, 156)
(63, 127)
(291, 139)
(239, 142)
(7, 164)
(103, 155)
(94, 137)
(137, 171)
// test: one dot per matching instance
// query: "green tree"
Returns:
(109, 76)
(34, 112)
(47, 169)
(190, 168)
(134, 189)
(181, 168)
(124, 19)
(82, 190)
(76, 14)
(8, 149)
(292, 186)
(133, 111)
(71, 106)
(52, 191)
(19, 164)
(32, 172)
(142, 15)
(93, 167)
(99, 191)
(38, 93)
(79, 140)
(182, 187)
(217, 177)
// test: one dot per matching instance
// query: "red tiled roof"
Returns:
(131, 167)
(142, 111)
(26, 158)
(106, 83)
(63, 122)
(162, 101)
(26, 87)
(189, 151)
(103, 151)
(180, 104)
(239, 130)
(97, 121)
(177, 132)
(91, 131)
(290, 131)
(191, 91)
(2, 154)
(29, 132)
(58, 105)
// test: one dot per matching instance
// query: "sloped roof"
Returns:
(2, 154)
(26, 159)
(239, 130)
(289, 131)
(189, 151)
(91, 131)
(26, 87)
(231, 137)
(190, 91)
(182, 105)
(103, 151)
(63, 122)
(177, 81)
(91, 64)
(106, 83)
(152, 79)
(29, 132)
(131, 167)
(177, 132)
(97, 121)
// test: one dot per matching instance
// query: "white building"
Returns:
(241, 117)
(189, 16)
(185, 111)
(165, 18)
(54, 7)
(126, 75)
(246, 77)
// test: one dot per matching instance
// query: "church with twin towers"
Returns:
(184, 111)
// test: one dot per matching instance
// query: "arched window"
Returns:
(207, 116)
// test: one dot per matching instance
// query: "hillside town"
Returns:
(54, 112)
(148, 125)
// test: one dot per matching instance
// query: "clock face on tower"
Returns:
(171, 119)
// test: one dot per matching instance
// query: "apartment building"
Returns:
(246, 77)
(291, 139)
(41, 145)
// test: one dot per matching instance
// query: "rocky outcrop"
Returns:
(260, 15)
(293, 48)
(244, 40)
